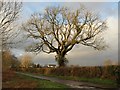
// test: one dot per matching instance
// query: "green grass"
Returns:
(99, 81)
(14, 80)
(104, 82)
(44, 83)
(48, 84)
(93, 80)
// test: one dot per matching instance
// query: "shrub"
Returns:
(103, 72)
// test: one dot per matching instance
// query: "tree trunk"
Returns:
(61, 60)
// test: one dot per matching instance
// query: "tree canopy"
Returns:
(59, 29)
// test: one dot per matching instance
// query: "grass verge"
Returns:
(22, 81)
(105, 82)
(99, 81)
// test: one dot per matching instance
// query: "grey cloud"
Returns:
(43, 58)
(91, 56)
(103, 8)
(81, 56)
(84, 55)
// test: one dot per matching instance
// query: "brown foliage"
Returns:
(26, 61)
(103, 72)
(9, 60)
(7, 75)
(6, 57)
(11, 80)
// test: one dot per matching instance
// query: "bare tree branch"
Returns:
(60, 29)
(9, 13)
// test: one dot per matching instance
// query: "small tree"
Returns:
(60, 29)
(26, 61)
(9, 60)
(6, 59)
(108, 62)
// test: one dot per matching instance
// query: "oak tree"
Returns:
(59, 29)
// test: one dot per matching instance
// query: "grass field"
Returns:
(104, 82)
(12, 80)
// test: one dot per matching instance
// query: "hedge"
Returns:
(103, 72)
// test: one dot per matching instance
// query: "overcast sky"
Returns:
(80, 55)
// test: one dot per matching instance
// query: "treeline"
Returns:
(11, 61)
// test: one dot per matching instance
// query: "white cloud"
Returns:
(111, 35)
(85, 55)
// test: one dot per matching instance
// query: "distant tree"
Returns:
(9, 13)
(26, 61)
(9, 60)
(108, 62)
(33, 65)
(59, 29)
(38, 66)
(6, 59)
(114, 63)
(15, 62)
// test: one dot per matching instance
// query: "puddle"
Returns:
(81, 86)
